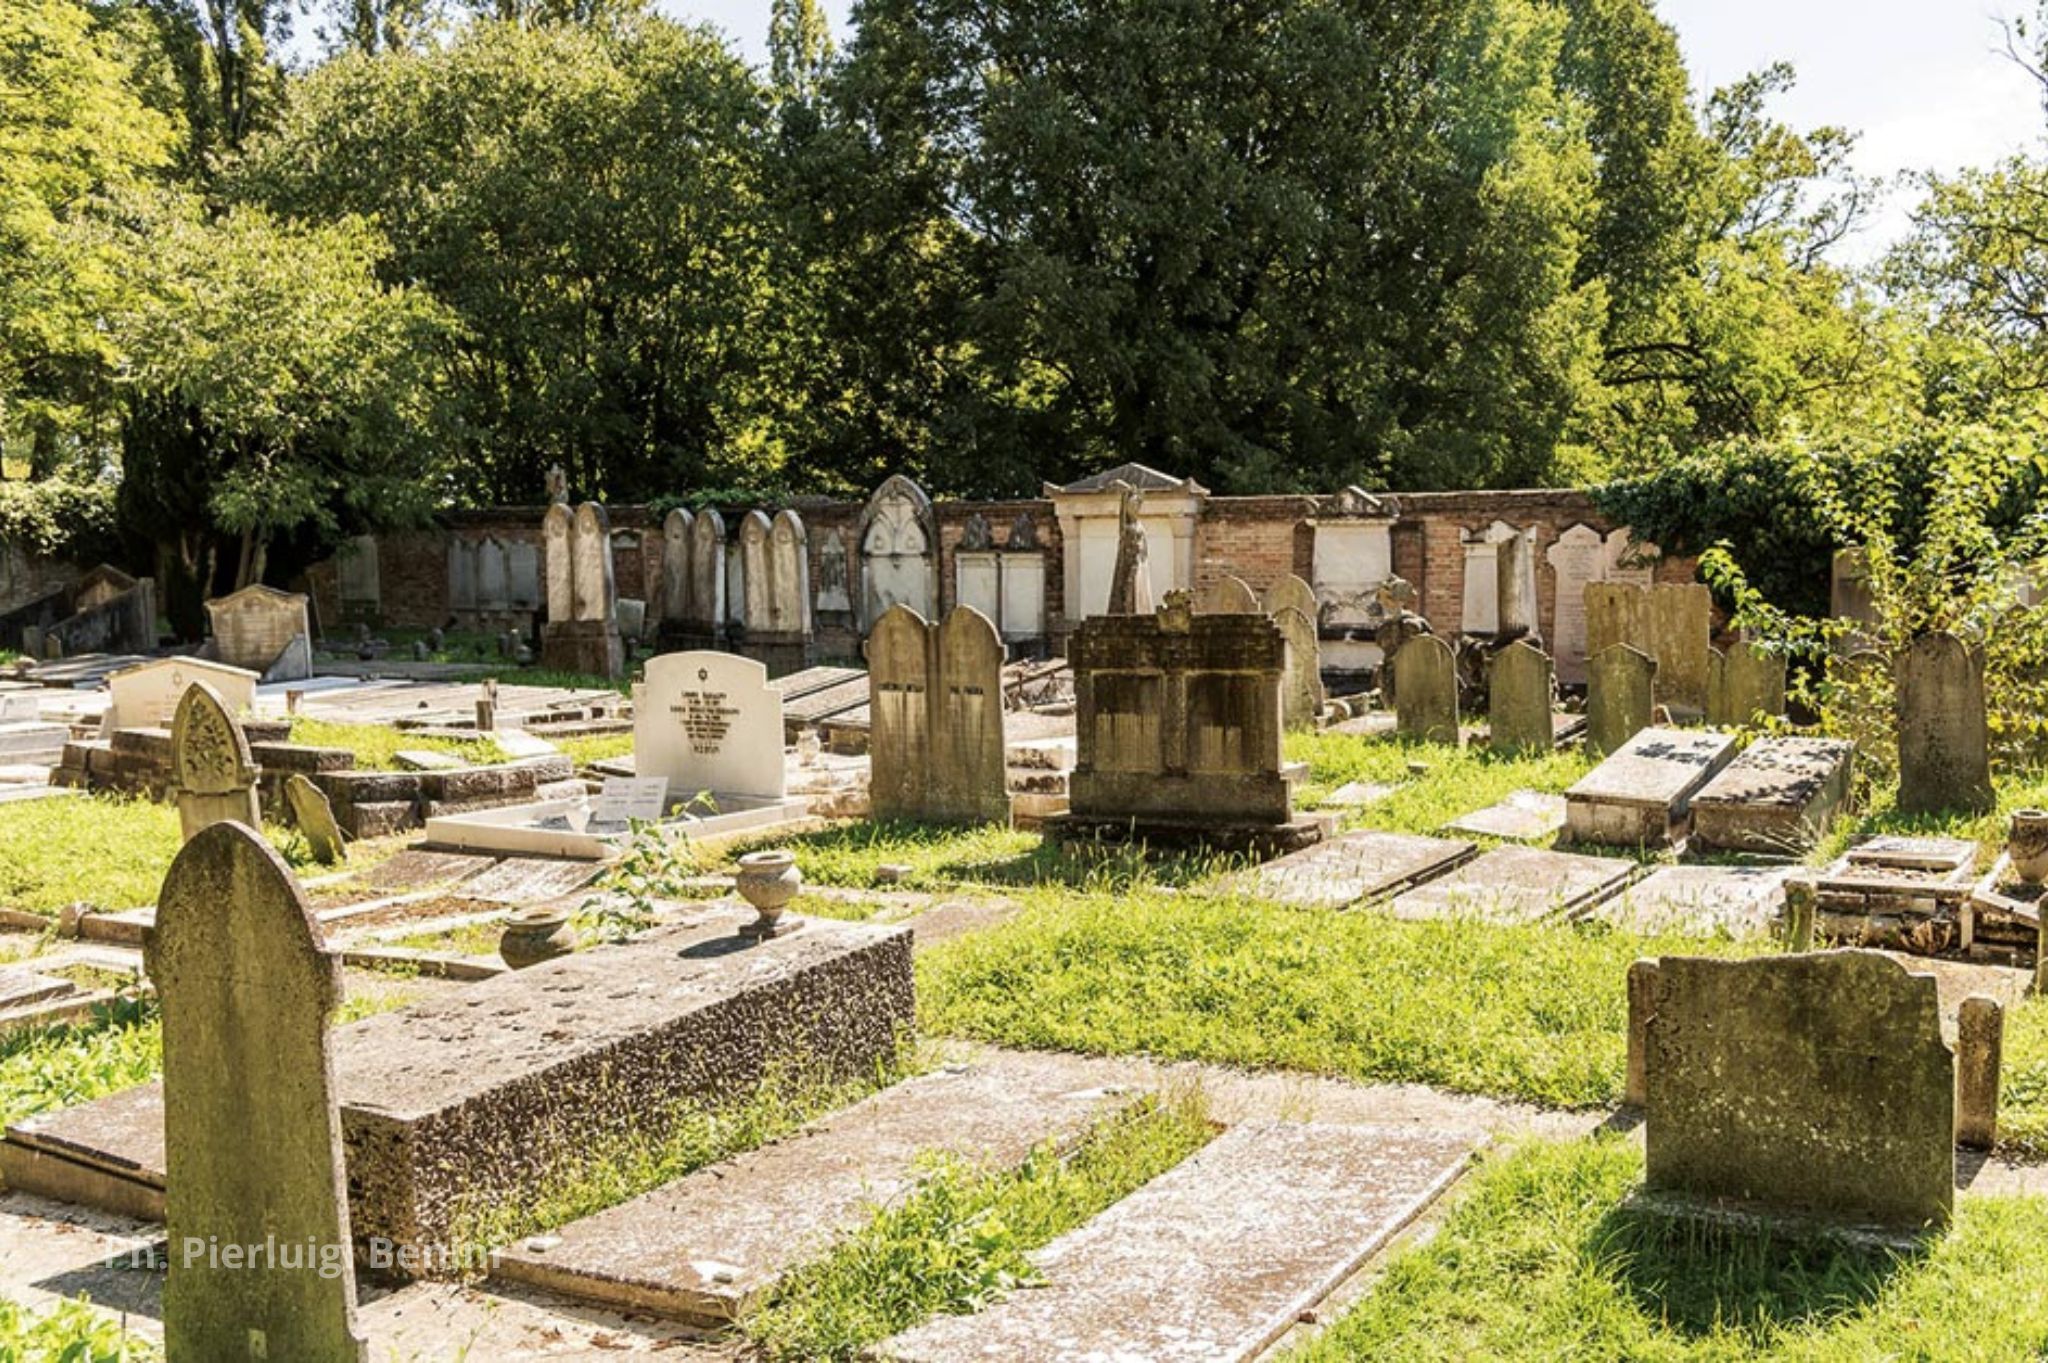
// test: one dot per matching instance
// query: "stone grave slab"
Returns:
(1372, 724)
(416, 868)
(1641, 795)
(1352, 869)
(426, 759)
(1776, 799)
(1215, 1259)
(1524, 816)
(20, 988)
(1815, 1084)
(709, 1246)
(466, 1097)
(1699, 901)
(1898, 891)
(1359, 794)
(1516, 885)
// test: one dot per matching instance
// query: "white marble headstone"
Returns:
(709, 722)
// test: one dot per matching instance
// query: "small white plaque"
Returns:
(625, 798)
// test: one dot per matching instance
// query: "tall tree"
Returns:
(799, 47)
(224, 54)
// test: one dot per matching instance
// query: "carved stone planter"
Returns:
(535, 935)
(768, 881)
(2027, 845)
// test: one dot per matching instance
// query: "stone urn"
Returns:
(768, 881)
(535, 935)
(2027, 845)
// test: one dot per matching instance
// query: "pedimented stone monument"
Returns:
(582, 631)
(936, 748)
(260, 1256)
(1816, 1084)
(1178, 725)
(265, 631)
(1944, 738)
(898, 551)
(213, 776)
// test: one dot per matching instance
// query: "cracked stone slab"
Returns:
(1215, 1259)
(710, 1245)
(1517, 885)
(1352, 869)
(1699, 901)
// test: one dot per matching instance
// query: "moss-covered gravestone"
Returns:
(1944, 740)
(1426, 691)
(1620, 697)
(260, 1260)
(213, 775)
(1519, 687)
(313, 815)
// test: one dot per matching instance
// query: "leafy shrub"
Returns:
(59, 518)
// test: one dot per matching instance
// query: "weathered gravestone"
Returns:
(1641, 794)
(1745, 684)
(1817, 1084)
(1291, 592)
(936, 746)
(1130, 582)
(1777, 799)
(1519, 688)
(213, 775)
(260, 1257)
(1944, 743)
(675, 568)
(313, 816)
(1426, 690)
(1621, 697)
(264, 630)
(1681, 620)
(1301, 688)
(709, 722)
(146, 695)
(1227, 595)
(580, 579)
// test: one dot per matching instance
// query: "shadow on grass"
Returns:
(1702, 1276)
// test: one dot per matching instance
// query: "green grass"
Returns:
(1458, 782)
(43, 1069)
(68, 1333)
(587, 749)
(1880, 816)
(937, 856)
(1537, 1013)
(1543, 1260)
(106, 851)
(377, 746)
(959, 1242)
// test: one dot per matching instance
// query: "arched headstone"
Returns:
(595, 592)
(707, 572)
(1301, 686)
(1621, 696)
(1290, 592)
(1944, 738)
(675, 566)
(1519, 688)
(557, 532)
(789, 576)
(900, 699)
(970, 779)
(1426, 691)
(755, 529)
(252, 1135)
(1228, 595)
(898, 544)
(213, 776)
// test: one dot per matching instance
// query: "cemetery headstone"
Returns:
(1575, 561)
(709, 722)
(1944, 741)
(898, 545)
(1519, 689)
(675, 567)
(1681, 629)
(260, 1256)
(834, 592)
(1515, 587)
(261, 629)
(585, 636)
(1301, 690)
(213, 776)
(1426, 691)
(936, 749)
(313, 816)
(558, 529)
(1228, 595)
(1817, 1084)
(146, 695)
(1620, 697)
(1290, 592)
(590, 559)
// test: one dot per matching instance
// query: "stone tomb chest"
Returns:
(1776, 799)
(1641, 796)
(1179, 729)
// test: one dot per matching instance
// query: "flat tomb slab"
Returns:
(707, 1247)
(1776, 799)
(1215, 1259)
(1641, 796)
(1699, 901)
(19, 988)
(1524, 816)
(1517, 885)
(472, 1095)
(1358, 794)
(1352, 869)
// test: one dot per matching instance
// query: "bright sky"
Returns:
(1925, 82)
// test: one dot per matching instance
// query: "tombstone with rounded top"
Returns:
(1291, 592)
(591, 564)
(1620, 697)
(1426, 690)
(558, 530)
(313, 816)
(1944, 738)
(1520, 683)
(675, 566)
(1228, 595)
(1301, 687)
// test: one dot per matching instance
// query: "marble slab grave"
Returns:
(1215, 1259)
(1524, 816)
(1355, 868)
(1516, 885)
(1699, 901)
(1641, 795)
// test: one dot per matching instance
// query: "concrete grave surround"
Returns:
(1777, 799)
(1089, 513)
(252, 1138)
(1750, 683)
(1214, 1260)
(709, 722)
(1641, 794)
(1426, 690)
(1816, 1084)
(213, 777)
(1301, 687)
(1519, 690)
(558, 530)
(313, 816)
(255, 629)
(1944, 742)
(1621, 697)
(1227, 595)
(898, 551)
(1516, 885)
(146, 696)
(1356, 868)
(936, 747)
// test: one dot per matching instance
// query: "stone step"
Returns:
(1215, 1259)
(709, 1246)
